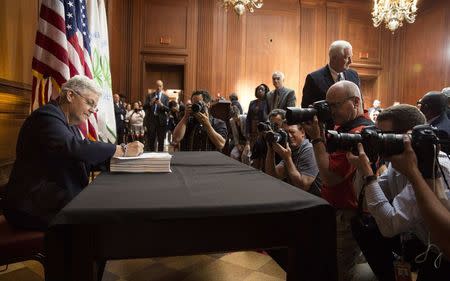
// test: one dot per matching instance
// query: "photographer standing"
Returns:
(197, 130)
(344, 101)
(299, 165)
(392, 202)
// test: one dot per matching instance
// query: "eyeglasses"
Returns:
(339, 103)
(90, 103)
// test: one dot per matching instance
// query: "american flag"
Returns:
(62, 50)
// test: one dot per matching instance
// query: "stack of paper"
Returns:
(157, 162)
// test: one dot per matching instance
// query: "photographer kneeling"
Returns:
(345, 104)
(298, 164)
(391, 199)
(197, 130)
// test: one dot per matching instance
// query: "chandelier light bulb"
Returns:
(239, 8)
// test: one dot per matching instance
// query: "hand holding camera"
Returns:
(360, 161)
(284, 152)
(312, 128)
(271, 134)
(406, 162)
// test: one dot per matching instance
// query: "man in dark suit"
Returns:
(281, 97)
(53, 160)
(434, 106)
(119, 113)
(446, 92)
(318, 82)
(156, 108)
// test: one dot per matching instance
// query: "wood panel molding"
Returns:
(15, 99)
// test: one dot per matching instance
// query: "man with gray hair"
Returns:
(281, 97)
(318, 82)
(55, 158)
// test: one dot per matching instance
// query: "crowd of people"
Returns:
(392, 208)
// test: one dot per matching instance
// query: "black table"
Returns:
(209, 203)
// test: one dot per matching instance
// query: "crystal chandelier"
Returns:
(393, 12)
(239, 6)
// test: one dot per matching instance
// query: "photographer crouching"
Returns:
(391, 197)
(197, 130)
(298, 164)
(344, 102)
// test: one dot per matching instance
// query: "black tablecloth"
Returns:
(202, 184)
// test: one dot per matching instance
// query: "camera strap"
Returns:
(357, 122)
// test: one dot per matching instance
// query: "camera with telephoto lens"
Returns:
(295, 115)
(377, 143)
(198, 107)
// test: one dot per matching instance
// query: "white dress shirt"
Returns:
(402, 213)
(335, 74)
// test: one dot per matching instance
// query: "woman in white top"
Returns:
(135, 119)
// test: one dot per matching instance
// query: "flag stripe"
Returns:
(52, 62)
(51, 46)
(43, 68)
(52, 17)
(51, 31)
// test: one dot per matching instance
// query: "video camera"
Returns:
(295, 115)
(377, 143)
(271, 134)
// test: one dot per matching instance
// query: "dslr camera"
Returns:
(378, 144)
(272, 134)
(198, 107)
(295, 115)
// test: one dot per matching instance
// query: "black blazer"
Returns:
(52, 164)
(119, 114)
(318, 82)
(262, 114)
(162, 113)
(286, 98)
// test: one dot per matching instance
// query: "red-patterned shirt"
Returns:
(342, 195)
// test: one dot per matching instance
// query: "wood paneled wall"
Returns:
(223, 53)
(17, 28)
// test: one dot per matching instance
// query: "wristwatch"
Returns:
(124, 149)
(368, 179)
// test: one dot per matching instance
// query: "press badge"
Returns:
(402, 271)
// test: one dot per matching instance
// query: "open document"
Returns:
(155, 162)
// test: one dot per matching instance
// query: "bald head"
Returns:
(344, 100)
(344, 89)
(159, 85)
(433, 104)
